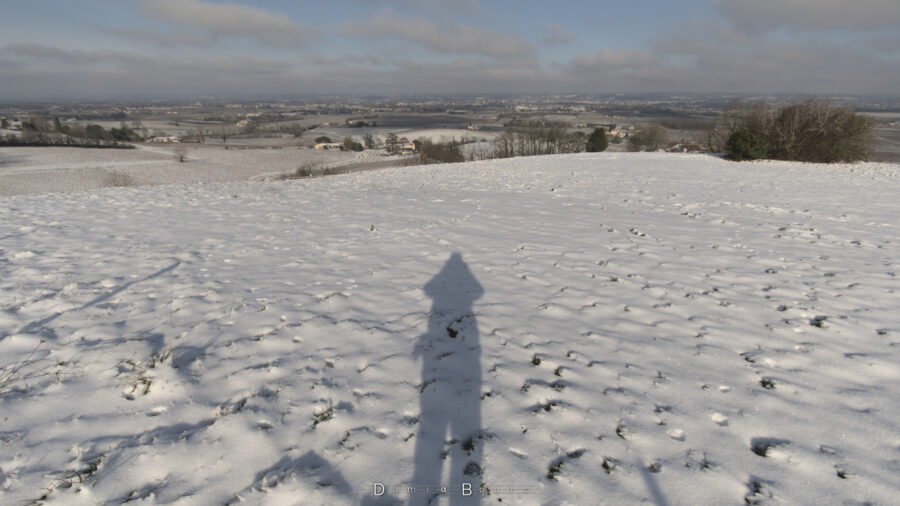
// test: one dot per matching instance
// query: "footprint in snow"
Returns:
(760, 490)
(556, 466)
(764, 446)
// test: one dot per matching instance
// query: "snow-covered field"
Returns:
(448, 134)
(584, 329)
(40, 170)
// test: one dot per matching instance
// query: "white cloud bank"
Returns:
(812, 14)
(456, 39)
(230, 19)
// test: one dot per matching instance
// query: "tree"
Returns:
(811, 131)
(444, 152)
(530, 138)
(96, 133)
(392, 142)
(369, 141)
(746, 145)
(38, 123)
(296, 130)
(123, 133)
(651, 137)
(351, 145)
(4, 123)
(597, 141)
(819, 131)
(323, 139)
(755, 118)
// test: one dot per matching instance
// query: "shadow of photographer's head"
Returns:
(454, 286)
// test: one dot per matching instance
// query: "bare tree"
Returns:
(819, 131)
(538, 138)
(650, 137)
(812, 131)
(738, 115)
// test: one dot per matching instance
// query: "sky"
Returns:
(96, 49)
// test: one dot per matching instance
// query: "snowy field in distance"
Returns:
(594, 328)
(448, 134)
(26, 170)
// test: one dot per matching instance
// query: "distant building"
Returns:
(165, 139)
(328, 145)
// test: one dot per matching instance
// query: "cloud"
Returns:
(31, 51)
(320, 59)
(206, 67)
(457, 39)
(230, 19)
(715, 58)
(116, 74)
(605, 60)
(10, 64)
(811, 14)
(555, 34)
(35, 56)
(463, 75)
(703, 58)
(167, 39)
(742, 63)
(887, 44)
(451, 5)
(113, 74)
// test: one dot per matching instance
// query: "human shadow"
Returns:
(450, 400)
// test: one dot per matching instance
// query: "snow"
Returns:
(448, 134)
(30, 170)
(579, 329)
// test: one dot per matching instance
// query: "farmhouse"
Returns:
(164, 139)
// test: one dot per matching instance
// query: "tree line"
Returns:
(39, 131)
